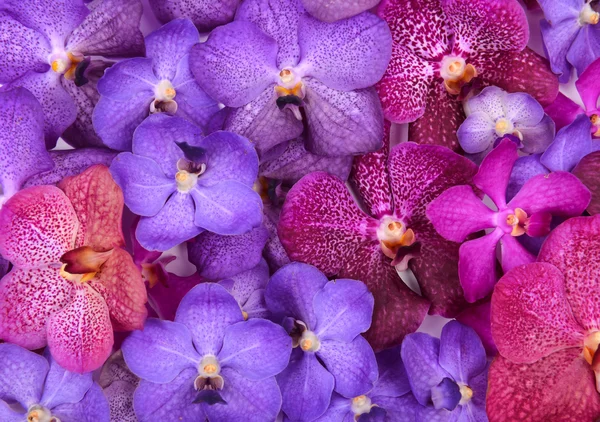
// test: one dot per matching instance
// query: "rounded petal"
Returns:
(255, 349)
(524, 169)
(205, 14)
(22, 375)
(94, 407)
(346, 55)
(306, 387)
(207, 310)
(558, 38)
(35, 217)
(245, 284)
(352, 364)
(334, 10)
(588, 87)
(571, 144)
(217, 257)
(343, 310)
(161, 351)
(174, 224)
(513, 253)
(63, 387)
(583, 51)
(494, 172)
(128, 79)
(80, 335)
(291, 292)
(476, 133)
(588, 171)
(461, 352)
(241, 47)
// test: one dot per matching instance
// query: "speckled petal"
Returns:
(537, 138)
(22, 49)
(558, 38)
(573, 248)
(524, 169)
(174, 224)
(111, 29)
(62, 386)
(306, 387)
(346, 55)
(27, 298)
(404, 88)
(531, 316)
(205, 14)
(121, 285)
(476, 134)
(80, 335)
(342, 123)
(22, 375)
(333, 10)
(217, 257)
(161, 351)
(98, 203)
(245, 285)
(241, 46)
(22, 143)
(37, 226)
(559, 387)
(81, 133)
(571, 144)
(128, 79)
(207, 310)
(588, 171)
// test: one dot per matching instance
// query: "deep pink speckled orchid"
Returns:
(459, 212)
(441, 46)
(321, 224)
(546, 324)
(72, 283)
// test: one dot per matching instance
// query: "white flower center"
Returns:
(209, 367)
(185, 181)
(588, 16)
(361, 405)
(504, 126)
(164, 91)
(453, 68)
(38, 413)
(309, 342)
(466, 394)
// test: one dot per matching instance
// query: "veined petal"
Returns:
(94, 403)
(128, 79)
(573, 248)
(571, 144)
(63, 387)
(524, 169)
(334, 10)
(476, 134)
(513, 253)
(588, 171)
(37, 226)
(558, 38)
(205, 14)
(23, 373)
(584, 50)
(558, 387)
(233, 55)
(81, 133)
(80, 335)
(169, 44)
(461, 352)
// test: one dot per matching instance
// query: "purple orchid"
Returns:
(334, 10)
(209, 363)
(46, 47)
(390, 400)
(448, 376)
(325, 320)
(571, 34)
(160, 83)
(205, 14)
(322, 224)
(22, 146)
(182, 183)
(248, 289)
(494, 113)
(441, 48)
(118, 385)
(35, 388)
(280, 69)
(545, 323)
(458, 212)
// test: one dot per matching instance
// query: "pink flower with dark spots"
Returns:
(71, 283)
(545, 322)
(321, 224)
(442, 48)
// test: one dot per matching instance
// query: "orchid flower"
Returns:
(46, 47)
(118, 385)
(205, 14)
(458, 212)
(334, 10)
(545, 324)
(71, 282)
(441, 47)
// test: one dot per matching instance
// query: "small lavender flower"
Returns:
(209, 363)
(495, 113)
(324, 319)
(182, 183)
(35, 388)
(450, 372)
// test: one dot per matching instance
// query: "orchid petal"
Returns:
(23, 373)
(494, 172)
(588, 86)
(334, 10)
(588, 171)
(571, 144)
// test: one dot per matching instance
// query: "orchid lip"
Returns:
(185, 181)
(164, 95)
(290, 91)
(38, 413)
(209, 377)
(361, 405)
(309, 342)
(82, 264)
(394, 237)
(588, 16)
(466, 394)
(456, 73)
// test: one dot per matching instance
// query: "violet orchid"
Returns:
(205, 14)
(571, 34)
(441, 46)
(35, 388)
(545, 323)
(46, 47)
(390, 400)
(248, 289)
(321, 224)
(118, 385)
(22, 146)
(458, 212)
(448, 376)
(325, 320)
(280, 69)
(335, 10)
(182, 183)
(160, 83)
(71, 282)
(209, 363)
(494, 113)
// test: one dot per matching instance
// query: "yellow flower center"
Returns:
(456, 73)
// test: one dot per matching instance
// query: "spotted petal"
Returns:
(23, 373)
(205, 14)
(333, 10)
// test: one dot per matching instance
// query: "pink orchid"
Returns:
(546, 324)
(71, 282)
(441, 47)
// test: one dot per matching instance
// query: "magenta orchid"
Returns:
(545, 322)
(458, 212)
(72, 283)
(321, 224)
(441, 46)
